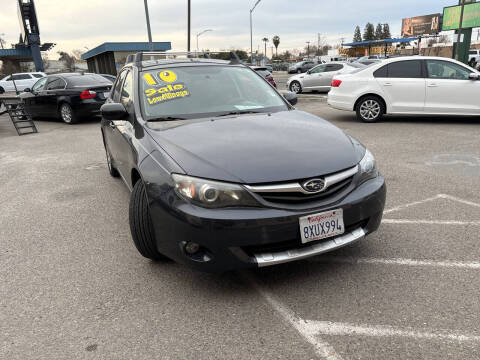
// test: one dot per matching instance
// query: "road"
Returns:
(74, 287)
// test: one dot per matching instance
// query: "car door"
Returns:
(118, 132)
(450, 90)
(311, 79)
(403, 86)
(31, 98)
(48, 96)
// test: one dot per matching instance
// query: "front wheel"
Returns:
(295, 87)
(2, 90)
(67, 115)
(141, 225)
(299, 71)
(370, 109)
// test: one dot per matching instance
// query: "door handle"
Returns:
(387, 84)
(432, 85)
(112, 125)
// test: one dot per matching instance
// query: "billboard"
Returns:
(471, 17)
(421, 25)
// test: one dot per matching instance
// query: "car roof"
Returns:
(153, 64)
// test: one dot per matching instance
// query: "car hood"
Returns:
(257, 148)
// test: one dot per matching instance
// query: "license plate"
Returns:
(321, 226)
(106, 94)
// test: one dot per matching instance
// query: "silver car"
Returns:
(320, 77)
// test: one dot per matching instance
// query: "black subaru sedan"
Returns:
(225, 173)
(69, 96)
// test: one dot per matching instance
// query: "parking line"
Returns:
(346, 329)
(401, 207)
(474, 265)
(322, 348)
(430, 222)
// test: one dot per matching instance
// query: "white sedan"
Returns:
(419, 85)
(19, 81)
(320, 77)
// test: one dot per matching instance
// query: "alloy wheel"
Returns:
(66, 113)
(370, 109)
(295, 87)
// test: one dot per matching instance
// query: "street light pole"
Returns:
(251, 30)
(150, 44)
(189, 24)
(308, 49)
(201, 33)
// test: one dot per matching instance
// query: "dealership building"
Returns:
(109, 57)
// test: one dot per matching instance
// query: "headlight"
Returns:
(368, 167)
(212, 194)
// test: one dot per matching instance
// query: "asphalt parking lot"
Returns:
(74, 287)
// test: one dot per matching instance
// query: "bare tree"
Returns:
(77, 54)
(69, 60)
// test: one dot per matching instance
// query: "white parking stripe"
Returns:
(322, 348)
(466, 202)
(397, 261)
(430, 222)
(401, 207)
(345, 329)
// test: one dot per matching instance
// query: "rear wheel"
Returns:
(67, 115)
(295, 87)
(370, 109)
(2, 90)
(141, 225)
(299, 71)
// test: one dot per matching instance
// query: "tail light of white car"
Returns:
(336, 83)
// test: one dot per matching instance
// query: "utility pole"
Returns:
(308, 49)
(150, 44)
(457, 49)
(251, 30)
(460, 49)
(318, 45)
(189, 24)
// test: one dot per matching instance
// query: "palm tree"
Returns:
(265, 40)
(276, 42)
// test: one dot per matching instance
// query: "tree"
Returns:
(276, 42)
(357, 36)
(379, 32)
(77, 54)
(369, 32)
(386, 31)
(69, 60)
(265, 40)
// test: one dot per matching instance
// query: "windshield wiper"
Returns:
(166, 118)
(240, 113)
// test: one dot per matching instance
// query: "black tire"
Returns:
(299, 71)
(295, 87)
(111, 168)
(66, 114)
(2, 90)
(370, 109)
(141, 224)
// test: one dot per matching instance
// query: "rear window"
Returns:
(38, 76)
(87, 80)
(21, 77)
(263, 72)
(382, 72)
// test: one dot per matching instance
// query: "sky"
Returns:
(82, 24)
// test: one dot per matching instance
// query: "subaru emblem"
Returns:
(314, 186)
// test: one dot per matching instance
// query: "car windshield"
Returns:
(205, 91)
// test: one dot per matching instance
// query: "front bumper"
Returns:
(248, 238)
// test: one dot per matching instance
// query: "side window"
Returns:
(318, 69)
(39, 85)
(409, 69)
(382, 72)
(127, 92)
(333, 67)
(56, 84)
(438, 69)
(21, 77)
(118, 86)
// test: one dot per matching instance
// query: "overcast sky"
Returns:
(76, 24)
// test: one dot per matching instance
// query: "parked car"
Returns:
(22, 81)
(69, 96)
(266, 74)
(269, 67)
(473, 57)
(320, 77)
(420, 85)
(205, 146)
(301, 67)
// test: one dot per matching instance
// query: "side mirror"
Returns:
(113, 111)
(473, 76)
(291, 97)
(27, 90)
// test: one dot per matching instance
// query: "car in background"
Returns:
(320, 77)
(69, 96)
(262, 70)
(22, 81)
(269, 67)
(419, 85)
(205, 147)
(301, 67)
